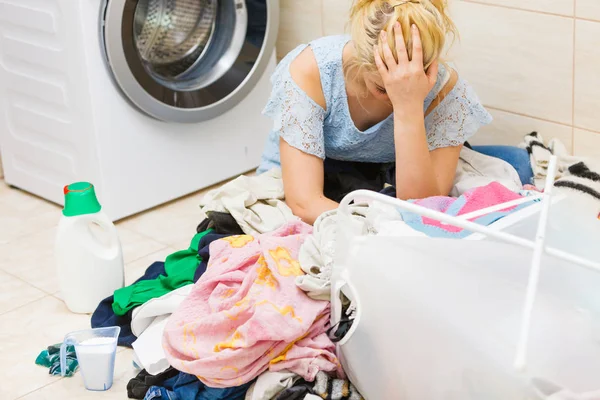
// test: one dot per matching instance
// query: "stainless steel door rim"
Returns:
(234, 59)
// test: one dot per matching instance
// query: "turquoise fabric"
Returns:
(50, 358)
(331, 133)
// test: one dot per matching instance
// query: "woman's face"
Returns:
(375, 86)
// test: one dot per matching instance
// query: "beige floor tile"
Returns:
(135, 269)
(136, 245)
(27, 331)
(589, 9)
(31, 258)
(183, 245)
(170, 224)
(73, 388)
(31, 320)
(15, 293)
(23, 201)
(22, 214)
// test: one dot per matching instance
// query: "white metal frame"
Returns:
(538, 245)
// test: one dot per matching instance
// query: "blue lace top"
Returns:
(331, 133)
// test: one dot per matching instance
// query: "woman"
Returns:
(380, 96)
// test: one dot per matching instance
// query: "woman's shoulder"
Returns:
(325, 50)
(328, 49)
(331, 41)
(305, 72)
(312, 66)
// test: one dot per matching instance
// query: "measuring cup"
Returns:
(96, 350)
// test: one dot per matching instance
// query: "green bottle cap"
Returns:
(80, 199)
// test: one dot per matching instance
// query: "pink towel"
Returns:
(473, 200)
(246, 315)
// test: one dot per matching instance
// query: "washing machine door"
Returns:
(188, 60)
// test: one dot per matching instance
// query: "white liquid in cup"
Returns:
(96, 358)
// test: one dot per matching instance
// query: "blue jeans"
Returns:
(515, 156)
(188, 387)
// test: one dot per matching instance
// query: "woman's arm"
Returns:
(303, 174)
(303, 183)
(419, 172)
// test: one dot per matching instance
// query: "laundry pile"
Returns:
(244, 312)
(577, 181)
(209, 320)
(580, 175)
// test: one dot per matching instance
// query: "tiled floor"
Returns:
(32, 316)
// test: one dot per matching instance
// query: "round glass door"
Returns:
(187, 55)
(172, 37)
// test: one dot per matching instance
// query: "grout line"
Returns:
(28, 303)
(172, 245)
(553, 14)
(27, 282)
(5, 242)
(586, 129)
(527, 115)
(541, 119)
(59, 378)
(146, 255)
(574, 16)
(574, 67)
(145, 236)
(587, 19)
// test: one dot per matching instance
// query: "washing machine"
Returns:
(148, 99)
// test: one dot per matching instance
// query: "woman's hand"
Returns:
(406, 82)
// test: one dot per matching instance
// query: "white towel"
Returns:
(148, 323)
(255, 202)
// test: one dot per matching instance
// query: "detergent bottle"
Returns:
(88, 252)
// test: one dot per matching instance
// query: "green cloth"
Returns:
(50, 358)
(180, 268)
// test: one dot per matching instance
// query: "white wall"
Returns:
(534, 63)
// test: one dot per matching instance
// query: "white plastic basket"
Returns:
(505, 317)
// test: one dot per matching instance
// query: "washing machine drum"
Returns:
(188, 60)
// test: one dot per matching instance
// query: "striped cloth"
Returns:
(575, 174)
(540, 153)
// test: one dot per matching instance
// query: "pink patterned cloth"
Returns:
(246, 315)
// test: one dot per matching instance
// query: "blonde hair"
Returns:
(369, 17)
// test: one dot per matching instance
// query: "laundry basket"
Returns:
(448, 319)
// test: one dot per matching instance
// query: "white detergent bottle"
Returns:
(88, 252)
